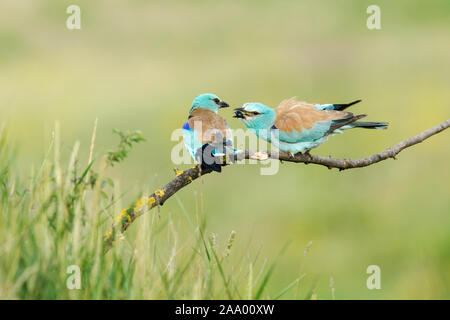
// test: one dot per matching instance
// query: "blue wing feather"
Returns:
(318, 131)
(186, 126)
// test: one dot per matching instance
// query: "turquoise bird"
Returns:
(296, 126)
(206, 134)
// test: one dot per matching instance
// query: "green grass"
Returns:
(56, 217)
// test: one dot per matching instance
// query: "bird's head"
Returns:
(255, 115)
(208, 101)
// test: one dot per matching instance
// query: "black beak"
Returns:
(238, 113)
(223, 104)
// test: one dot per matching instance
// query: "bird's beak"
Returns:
(238, 113)
(223, 104)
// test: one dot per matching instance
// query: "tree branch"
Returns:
(183, 178)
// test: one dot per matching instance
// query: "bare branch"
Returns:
(183, 178)
(343, 164)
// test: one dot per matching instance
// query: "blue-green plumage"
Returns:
(298, 126)
(208, 101)
(191, 141)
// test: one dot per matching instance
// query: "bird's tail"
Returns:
(343, 106)
(205, 155)
(370, 125)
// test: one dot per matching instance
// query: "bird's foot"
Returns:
(307, 154)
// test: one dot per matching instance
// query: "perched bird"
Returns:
(296, 126)
(206, 134)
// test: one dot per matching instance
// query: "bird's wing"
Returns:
(301, 121)
(190, 139)
(287, 104)
(209, 126)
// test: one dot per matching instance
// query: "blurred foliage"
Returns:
(139, 64)
(58, 221)
(127, 139)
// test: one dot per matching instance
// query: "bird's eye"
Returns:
(216, 100)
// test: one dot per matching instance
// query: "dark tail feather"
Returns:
(206, 158)
(343, 106)
(370, 124)
(336, 124)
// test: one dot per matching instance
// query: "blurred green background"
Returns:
(138, 65)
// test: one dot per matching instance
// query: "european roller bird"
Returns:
(296, 126)
(206, 134)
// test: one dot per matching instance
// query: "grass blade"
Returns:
(269, 273)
